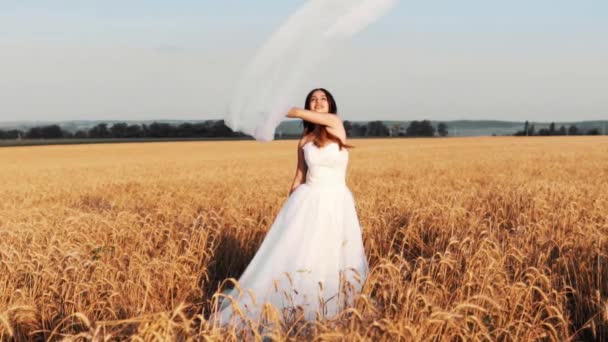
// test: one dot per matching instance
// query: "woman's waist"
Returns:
(326, 181)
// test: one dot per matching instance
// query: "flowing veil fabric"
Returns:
(311, 262)
(273, 79)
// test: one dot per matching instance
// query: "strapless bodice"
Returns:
(326, 165)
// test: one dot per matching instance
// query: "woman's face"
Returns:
(318, 102)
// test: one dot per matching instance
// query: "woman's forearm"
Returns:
(311, 116)
(296, 183)
(294, 186)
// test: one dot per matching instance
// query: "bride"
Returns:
(311, 263)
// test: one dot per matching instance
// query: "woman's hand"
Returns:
(293, 112)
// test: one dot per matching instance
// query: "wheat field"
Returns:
(486, 238)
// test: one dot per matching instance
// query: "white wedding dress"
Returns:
(313, 248)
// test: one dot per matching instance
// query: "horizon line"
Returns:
(202, 120)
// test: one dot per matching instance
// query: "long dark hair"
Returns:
(322, 135)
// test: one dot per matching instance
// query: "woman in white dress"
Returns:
(311, 263)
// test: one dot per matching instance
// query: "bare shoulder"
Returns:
(336, 122)
(338, 130)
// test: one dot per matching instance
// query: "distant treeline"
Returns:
(379, 129)
(530, 130)
(205, 129)
(218, 129)
(208, 129)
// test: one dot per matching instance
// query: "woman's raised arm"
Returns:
(329, 120)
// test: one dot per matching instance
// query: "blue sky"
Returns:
(443, 60)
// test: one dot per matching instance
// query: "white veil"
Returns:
(266, 89)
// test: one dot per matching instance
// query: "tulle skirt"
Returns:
(310, 265)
